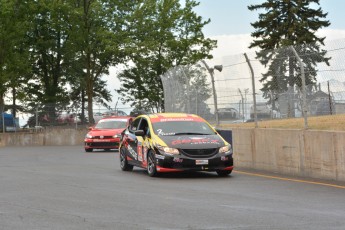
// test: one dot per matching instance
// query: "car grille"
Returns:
(103, 137)
(105, 144)
(199, 153)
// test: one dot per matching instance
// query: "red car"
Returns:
(106, 133)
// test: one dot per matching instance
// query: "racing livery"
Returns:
(173, 142)
(106, 133)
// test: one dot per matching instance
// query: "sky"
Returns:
(230, 22)
(230, 26)
(229, 17)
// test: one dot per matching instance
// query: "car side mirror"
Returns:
(90, 128)
(140, 133)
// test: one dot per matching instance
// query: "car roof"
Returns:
(173, 116)
(117, 117)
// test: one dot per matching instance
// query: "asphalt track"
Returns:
(65, 188)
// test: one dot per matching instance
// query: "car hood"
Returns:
(193, 141)
(105, 132)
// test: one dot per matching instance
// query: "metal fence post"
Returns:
(211, 71)
(304, 100)
(253, 88)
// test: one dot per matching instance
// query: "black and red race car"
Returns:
(174, 142)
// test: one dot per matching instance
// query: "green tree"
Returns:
(14, 63)
(284, 24)
(99, 38)
(49, 55)
(163, 34)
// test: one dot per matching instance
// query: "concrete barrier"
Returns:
(44, 137)
(308, 153)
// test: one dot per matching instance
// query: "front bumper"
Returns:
(182, 163)
(112, 143)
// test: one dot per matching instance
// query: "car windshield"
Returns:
(111, 124)
(170, 128)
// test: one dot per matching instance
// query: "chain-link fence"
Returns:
(301, 81)
(293, 82)
(45, 116)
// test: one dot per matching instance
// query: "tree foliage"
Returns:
(57, 51)
(14, 64)
(163, 34)
(284, 24)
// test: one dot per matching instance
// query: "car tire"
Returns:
(151, 165)
(123, 161)
(223, 173)
(88, 150)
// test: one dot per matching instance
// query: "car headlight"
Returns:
(117, 136)
(168, 150)
(226, 149)
(88, 136)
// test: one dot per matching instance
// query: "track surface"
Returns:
(66, 188)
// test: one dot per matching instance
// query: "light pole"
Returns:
(211, 71)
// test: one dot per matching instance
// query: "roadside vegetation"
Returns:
(55, 52)
(329, 122)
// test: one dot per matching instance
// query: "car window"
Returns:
(135, 125)
(111, 124)
(144, 125)
(175, 127)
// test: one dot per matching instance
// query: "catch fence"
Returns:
(292, 82)
(43, 116)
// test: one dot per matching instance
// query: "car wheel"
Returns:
(151, 165)
(223, 173)
(88, 150)
(123, 161)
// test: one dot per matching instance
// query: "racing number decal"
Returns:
(139, 151)
(144, 153)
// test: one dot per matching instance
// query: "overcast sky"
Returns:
(230, 23)
(230, 17)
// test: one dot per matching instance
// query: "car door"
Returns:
(143, 142)
(132, 140)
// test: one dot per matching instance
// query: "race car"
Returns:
(106, 133)
(174, 142)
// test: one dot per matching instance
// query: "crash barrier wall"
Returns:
(45, 137)
(306, 153)
(314, 154)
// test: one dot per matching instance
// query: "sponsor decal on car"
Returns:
(195, 141)
(140, 152)
(161, 133)
(132, 152)
(101, 140)
(144, 152)
(159, 157)
(168, 119)
(178, 160)
(201, 162)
